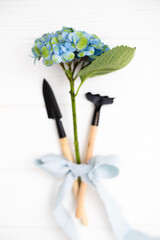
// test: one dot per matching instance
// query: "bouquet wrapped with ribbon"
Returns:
(82, 55)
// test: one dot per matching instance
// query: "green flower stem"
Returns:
(73, 101)
(78, 88)
(74, 115)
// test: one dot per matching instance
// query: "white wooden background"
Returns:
(132, 124)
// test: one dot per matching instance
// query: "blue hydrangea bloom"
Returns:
(66, 45)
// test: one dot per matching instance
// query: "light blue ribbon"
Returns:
(98, 167)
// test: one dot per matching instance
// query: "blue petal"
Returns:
(46, 37)
(73, 47)
(67, 29)
(67, 45)
(93, 40)
(48, 62)
(53, 34)
(86, 35)
(65, 35)
(70, 37)
(39, 45)
(56, 50)
(73, 37)
(60, 37)
(63, 49)
(98, 52)
(82, 54)
(68, 56)
(90, 51)
(58, 32)
(60, 51)
(56, 59)
(49, 46)
(49, 56)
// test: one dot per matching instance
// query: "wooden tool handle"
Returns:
(66, 149)
(67, 153)
(83, 187)
(91, 142)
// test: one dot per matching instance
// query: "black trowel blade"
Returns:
(50, 102)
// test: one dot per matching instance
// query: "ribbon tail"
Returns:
(120, 227)
(62, 216)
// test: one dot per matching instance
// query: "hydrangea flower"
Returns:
(66, 45)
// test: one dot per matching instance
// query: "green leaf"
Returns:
(112, 60)
(69, 73)
(44, 52)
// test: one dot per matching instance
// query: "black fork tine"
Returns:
(98, 101)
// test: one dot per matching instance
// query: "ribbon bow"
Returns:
(98, 167)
